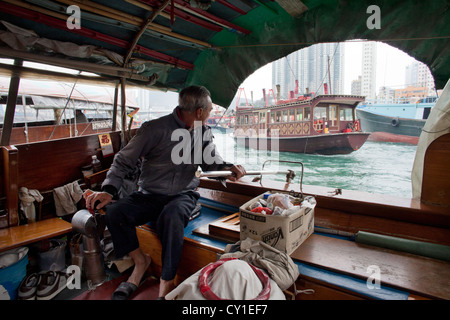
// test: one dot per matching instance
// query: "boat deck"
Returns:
(330, 263)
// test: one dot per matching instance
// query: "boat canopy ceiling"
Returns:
(168, 45)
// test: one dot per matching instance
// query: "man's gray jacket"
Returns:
(170, 156)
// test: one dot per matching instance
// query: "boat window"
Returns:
(262, 117)
(320, 112)
(292, 115)
(278, 119)
(307, 113)
(299, 114)
(246, 119)
(272, 117)
(285, 116)
(255, 117)
(346, 114)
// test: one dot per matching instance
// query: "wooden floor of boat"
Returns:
(400, 270)
(148, 290)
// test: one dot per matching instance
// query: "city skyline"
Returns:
(390, 69)
(309, 69)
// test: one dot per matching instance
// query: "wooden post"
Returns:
(11, 104)
(10, 183)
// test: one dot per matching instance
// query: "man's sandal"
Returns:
(124, 291)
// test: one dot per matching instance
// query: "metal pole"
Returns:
(217, 174)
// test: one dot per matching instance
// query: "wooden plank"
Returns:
(11, 185)
(226, 227)
(18, 236)
(323, 290)
(50, 164)
(436, 176)
(195, 255)
(420, 275)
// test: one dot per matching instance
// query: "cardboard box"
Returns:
(285, 233)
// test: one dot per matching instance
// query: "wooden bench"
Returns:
(22, 235)
(44, 166)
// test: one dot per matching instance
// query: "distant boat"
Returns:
(323, 124)
(45, 111)
(219, 120)
(395, 122)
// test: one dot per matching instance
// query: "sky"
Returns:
(391, 63)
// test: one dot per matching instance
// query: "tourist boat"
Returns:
(325, 124)
(142, 50)
(395, 122)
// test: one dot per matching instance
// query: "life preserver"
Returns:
(395, 122)
(316, 125)
(206, 291)
(356, 126)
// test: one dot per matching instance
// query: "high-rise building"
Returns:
(386, 95)
(310, 66)
(356, 86)
(369, 68)
(417, 74)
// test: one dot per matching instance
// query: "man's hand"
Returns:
(238, 172)
(93, 197)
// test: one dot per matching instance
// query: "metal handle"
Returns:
(286, 161)
(217, 174)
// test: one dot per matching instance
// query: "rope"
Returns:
(206, 291)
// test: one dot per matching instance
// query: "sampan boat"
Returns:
(170, 45)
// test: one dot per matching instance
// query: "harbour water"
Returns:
(378, 167)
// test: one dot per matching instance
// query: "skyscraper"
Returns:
(309, 66)
(369, 70)
(419, 75)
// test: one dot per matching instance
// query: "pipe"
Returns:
(426, 249)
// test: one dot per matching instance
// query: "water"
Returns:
(377, 167)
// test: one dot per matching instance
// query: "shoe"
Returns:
(124, 291)
(28, 287)
(50, 284)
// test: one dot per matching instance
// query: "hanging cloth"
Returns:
(27, 198)
(66, 198)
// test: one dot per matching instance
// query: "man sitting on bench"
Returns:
(172, 148)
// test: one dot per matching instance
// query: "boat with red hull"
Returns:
(325, 124)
